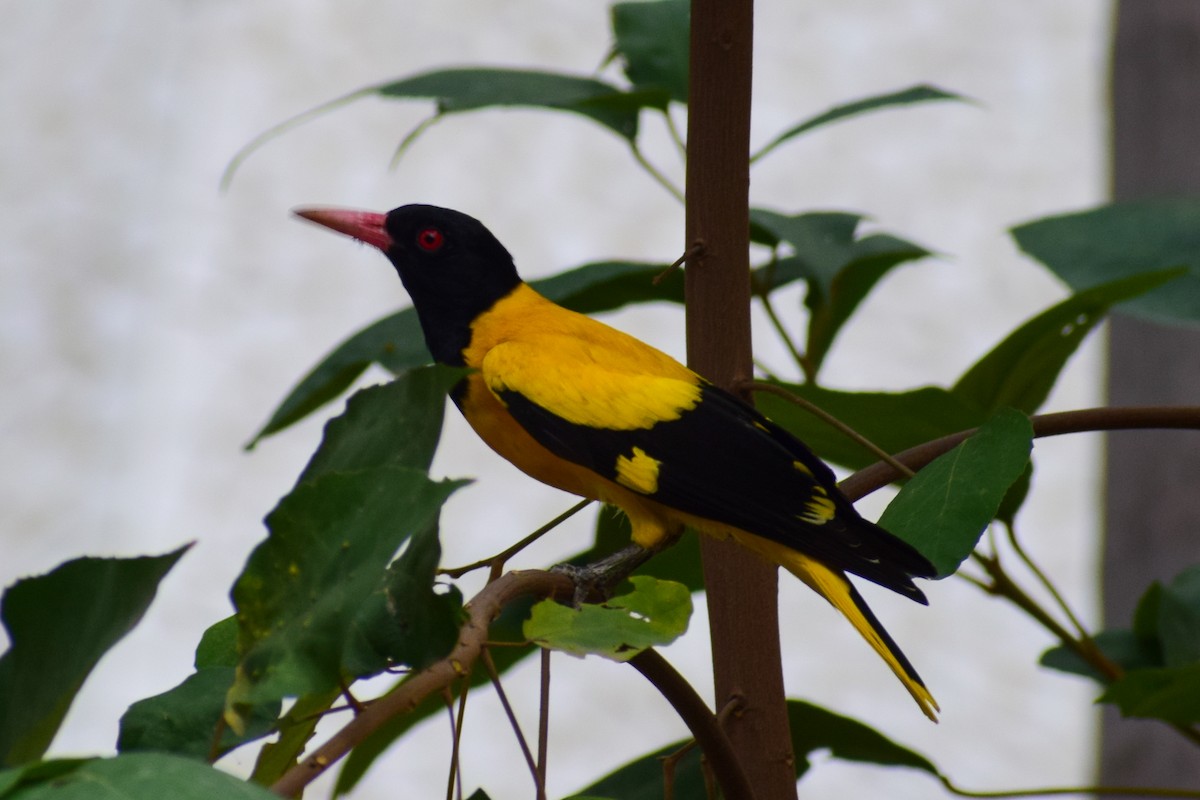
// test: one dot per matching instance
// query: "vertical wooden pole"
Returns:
(742, 589)
(1151, 513)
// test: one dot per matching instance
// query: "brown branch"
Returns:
(878, 475)
(472, 641)
(703, 724)
(405, 697)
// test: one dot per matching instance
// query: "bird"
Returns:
(593, 411)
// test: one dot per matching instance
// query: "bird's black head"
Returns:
(452, 266)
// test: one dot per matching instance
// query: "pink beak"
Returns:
(365, 226)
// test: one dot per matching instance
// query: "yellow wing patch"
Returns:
(576, 368)
(638, 471)
(819, 509)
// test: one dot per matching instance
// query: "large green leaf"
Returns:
(1021, 370)
(922, 93)
(394, 424)
(840, 268)
(1179, 619)
(652, 613)
(814, 729)
(475, 88)
(407, 621)
(395, 341)
(1123, 648)
(397, 344)
(301, 592)
(652, 41)
(893, 421)
(137, 776)
(947, 506)
(1099, 246)
(1167, 693)
(184, 720)
(60, 624)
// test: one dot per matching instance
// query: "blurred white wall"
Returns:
(149, 323)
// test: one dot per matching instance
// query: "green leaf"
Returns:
(642, 778)
(894, 421)
(184, 720)
(137, 776)
(1121, 647)
(1021, 370)
(301, 591)
(1089, 248)
(1179, 619)
(654, 613)
(815, 729)
(947, 506)
(1168, 693)
(407, 621)
(652, 41)
(397, 344)
(60, 624)
(37, 772)
(840, 269)
(218, 645)
(922, 93)
(296, 728)
(472, 88)
(609, 285)
(393, 424)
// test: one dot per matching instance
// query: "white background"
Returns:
(149, 322)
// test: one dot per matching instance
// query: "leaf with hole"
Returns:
(653, 613)
(1021, 370)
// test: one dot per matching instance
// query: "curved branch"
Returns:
(880, 474)
(482, 610)
(472, 638)
(703, 724)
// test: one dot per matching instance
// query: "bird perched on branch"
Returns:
(592, 411)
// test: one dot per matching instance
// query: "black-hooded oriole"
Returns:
(597, 413)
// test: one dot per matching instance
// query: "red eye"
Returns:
(430, 240)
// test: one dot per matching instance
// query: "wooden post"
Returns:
(742, 588)
(1151, 511)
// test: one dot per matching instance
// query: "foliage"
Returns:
(345, 586)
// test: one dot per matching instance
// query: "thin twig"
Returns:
(494, 675)
(409, 693)
(801, 360)
(694, 251)
(829, 419)
(1047, 584)
(543, 725)
(504, 555)
(878, 475)
(661, 179)
(700, 720)
(1143, 791)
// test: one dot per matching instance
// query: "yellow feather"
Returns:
(834, 587)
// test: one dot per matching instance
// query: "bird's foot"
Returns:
(594, 582)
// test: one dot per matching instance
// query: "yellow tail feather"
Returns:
(841, 594)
